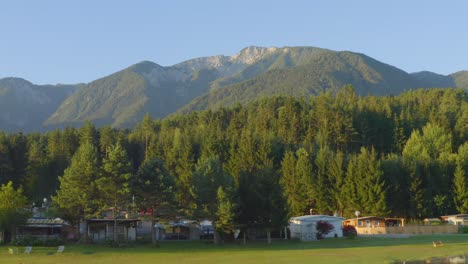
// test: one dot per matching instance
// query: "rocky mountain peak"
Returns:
(252, 54)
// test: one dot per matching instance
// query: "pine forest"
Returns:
(258, 164)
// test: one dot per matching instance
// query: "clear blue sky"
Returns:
(57, 41)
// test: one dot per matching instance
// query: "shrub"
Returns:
(323, 228)
(464, 230)
(349, 231)
(32, 241)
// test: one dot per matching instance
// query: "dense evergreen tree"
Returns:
(113, 183)
(460, 180)
(336, 177)
(364, 185)
(321, 184)
(19, 157)
(427, 157)
(296, 182)
(397, 185)
(6, 166)
(331, 153)
(208, 177)
(88, 134)
(226, 212)
(40, 183)
(107, 138)
(153, 190)
(78, 193)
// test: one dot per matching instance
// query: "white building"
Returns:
(459, 219)
(304, 227)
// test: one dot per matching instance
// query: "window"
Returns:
(359, 223)
(376, 222)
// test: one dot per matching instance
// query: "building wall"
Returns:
(306, 231)
(144, 229)
(457, 221)
(104, 231)
(365, 222)
(337, 231)
(372, 222)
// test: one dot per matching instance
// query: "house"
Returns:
(46, 228)
(100, 230)
(374, 221)
(304, 227)
(458, 219)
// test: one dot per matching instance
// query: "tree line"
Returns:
(258, 164)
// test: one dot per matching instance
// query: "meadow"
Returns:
(360, 250)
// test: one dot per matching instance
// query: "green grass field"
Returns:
(361, 250)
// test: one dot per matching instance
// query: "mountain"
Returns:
(123, 98)
(309, 71)
(24, 106)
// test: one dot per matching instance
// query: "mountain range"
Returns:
(123, 98)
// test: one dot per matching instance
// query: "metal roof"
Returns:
(366, 217)
(45, 221)
(456, 216)
(112, 220)
(316, 218)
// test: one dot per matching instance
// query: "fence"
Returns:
(408, 229)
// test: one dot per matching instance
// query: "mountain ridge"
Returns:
(122, 98)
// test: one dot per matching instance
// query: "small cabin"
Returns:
(45, 228)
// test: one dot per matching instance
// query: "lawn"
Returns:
(361, 250)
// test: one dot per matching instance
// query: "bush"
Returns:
(349, 231)
(323, 228)
(464, 230)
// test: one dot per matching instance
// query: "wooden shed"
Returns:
(102, 229)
